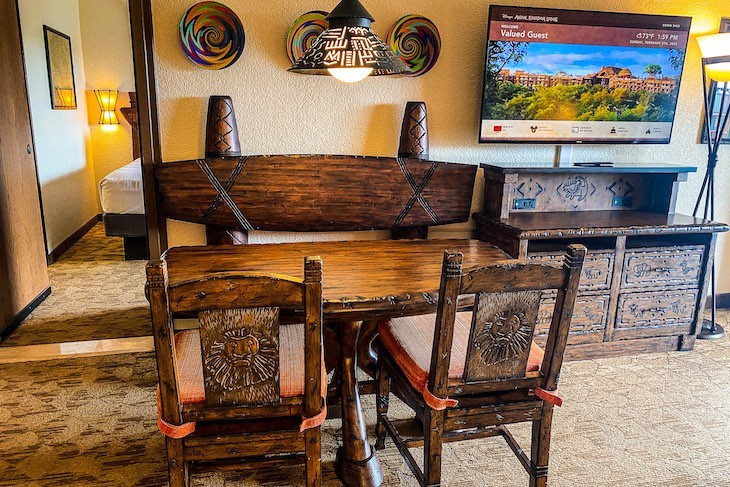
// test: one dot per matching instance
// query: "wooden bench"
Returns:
(316, 193)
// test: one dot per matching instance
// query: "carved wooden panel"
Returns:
(240, 356)
(668, 266)
(656, 309)
(540, 192)
(501, 335)
(316, 193)
(597, 268)
(589, 318)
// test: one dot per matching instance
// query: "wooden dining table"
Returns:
(362, 281)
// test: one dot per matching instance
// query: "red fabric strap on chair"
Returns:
(173, 431)
(548, 396)
(314, 421)
(437, 403)
(317, 420)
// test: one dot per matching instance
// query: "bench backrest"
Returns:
(316, 193)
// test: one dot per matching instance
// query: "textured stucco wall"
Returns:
(108, 65)
(63, 150)
(280, 112)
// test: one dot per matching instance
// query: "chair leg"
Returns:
(178, 470)
(540, 449)
(383, 399)
(313, 452)
(433, 430)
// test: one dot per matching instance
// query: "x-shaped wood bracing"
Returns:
(223, 190)
(417, 193)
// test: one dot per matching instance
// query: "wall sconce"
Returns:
(107, 104)
(348, 49)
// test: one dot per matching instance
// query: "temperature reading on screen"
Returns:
(645, 35)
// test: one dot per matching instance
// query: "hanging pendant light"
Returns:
(348, 49)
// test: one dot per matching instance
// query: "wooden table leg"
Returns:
(356, 462)
(366, 357)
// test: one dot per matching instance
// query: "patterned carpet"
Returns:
(660, 419)
(96, 294)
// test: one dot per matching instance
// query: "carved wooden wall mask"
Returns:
(501, 335)
(240, 356)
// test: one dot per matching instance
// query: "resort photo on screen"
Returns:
(566, 76)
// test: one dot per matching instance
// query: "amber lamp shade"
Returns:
(716, 56)
(107, 100)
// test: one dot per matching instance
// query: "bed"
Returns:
(122, 199)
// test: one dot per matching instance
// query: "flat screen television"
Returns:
(572, 76)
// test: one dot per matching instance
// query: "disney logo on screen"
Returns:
(530, 18)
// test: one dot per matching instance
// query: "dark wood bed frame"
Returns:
(132, 228)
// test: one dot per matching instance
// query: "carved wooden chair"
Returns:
(242, 388)
(468, 374)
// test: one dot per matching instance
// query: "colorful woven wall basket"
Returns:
(212, 35)
(303, 33)
(416, 40)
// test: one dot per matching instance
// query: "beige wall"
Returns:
(108, 65)
(280, 112)
(63, 152)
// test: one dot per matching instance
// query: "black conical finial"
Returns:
(350, 9)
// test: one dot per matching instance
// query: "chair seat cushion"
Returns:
(189, 364)
(409, 341)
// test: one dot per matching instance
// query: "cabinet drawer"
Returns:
(597, 268)
(661, 267)
(656, 309)
(589, 318)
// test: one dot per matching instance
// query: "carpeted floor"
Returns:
(96, 294)
(651, 420)
(654, 420)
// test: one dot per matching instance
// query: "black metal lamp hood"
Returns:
(348, 49)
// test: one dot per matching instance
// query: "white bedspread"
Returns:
(121, 190)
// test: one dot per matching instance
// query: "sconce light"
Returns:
(348, 49)
(107, 104)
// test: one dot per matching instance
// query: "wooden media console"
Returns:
(646, 275)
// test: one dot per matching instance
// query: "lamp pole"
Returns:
(706, 199)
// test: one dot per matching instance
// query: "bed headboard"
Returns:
(130, 115)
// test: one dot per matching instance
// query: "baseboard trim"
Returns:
(20, 317)
(69, 350)
(75, 237)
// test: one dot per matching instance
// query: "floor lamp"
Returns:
(715, 66)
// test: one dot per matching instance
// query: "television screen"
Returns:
(571, 76)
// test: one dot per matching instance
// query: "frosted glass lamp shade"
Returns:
(716, 56)
(350, 75)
